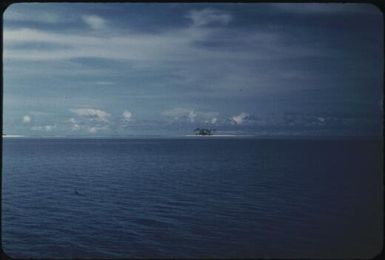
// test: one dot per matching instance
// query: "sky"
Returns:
(115, 70)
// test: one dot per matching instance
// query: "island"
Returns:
(203, 131)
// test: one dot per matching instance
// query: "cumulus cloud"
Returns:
(87, 123)
(74, 124)
(91, 113)
(190, 115)
(95, 129)
(89, 120)
(27, 119)
(47, 128)
(240, 119)
(92, 130)
(127, 116)
(94, 22)
(208, 16)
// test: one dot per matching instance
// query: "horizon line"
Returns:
(194, 136)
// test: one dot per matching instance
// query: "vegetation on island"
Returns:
(203, 131)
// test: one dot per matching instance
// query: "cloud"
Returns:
(190, 115)
(86, 122)
(95, 129)
(131, 46)
(127, 116)
(41, 16)
(47, 128)
(179, 45)
(208, 16)
(240, 119)
(94, 22)
(89, 120)
(27, 119)
(93, 114)
(92, 130)
(74, 124)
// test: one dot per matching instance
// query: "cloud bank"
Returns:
(91, 113)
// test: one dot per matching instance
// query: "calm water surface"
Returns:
(192, 197)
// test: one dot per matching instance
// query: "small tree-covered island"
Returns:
(204, 131)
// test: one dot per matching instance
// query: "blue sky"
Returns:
(144, 69)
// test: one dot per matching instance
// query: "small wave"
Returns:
(151, 223)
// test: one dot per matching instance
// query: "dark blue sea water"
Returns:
(192, 197)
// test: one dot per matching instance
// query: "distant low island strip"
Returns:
(204, 131)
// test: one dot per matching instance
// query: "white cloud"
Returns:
(175, 45)
(95, 114)
(74, 124)
(321, 120)
(95, 22)
(95, 129)
(207, 16)
(72, 120)
(240, 119)
(90, 120)
(212, 120)
(27, 119)
(190, 115)
(127, 116)
(75, 127)
(47, 128)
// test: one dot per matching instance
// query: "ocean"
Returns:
(192, 197)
